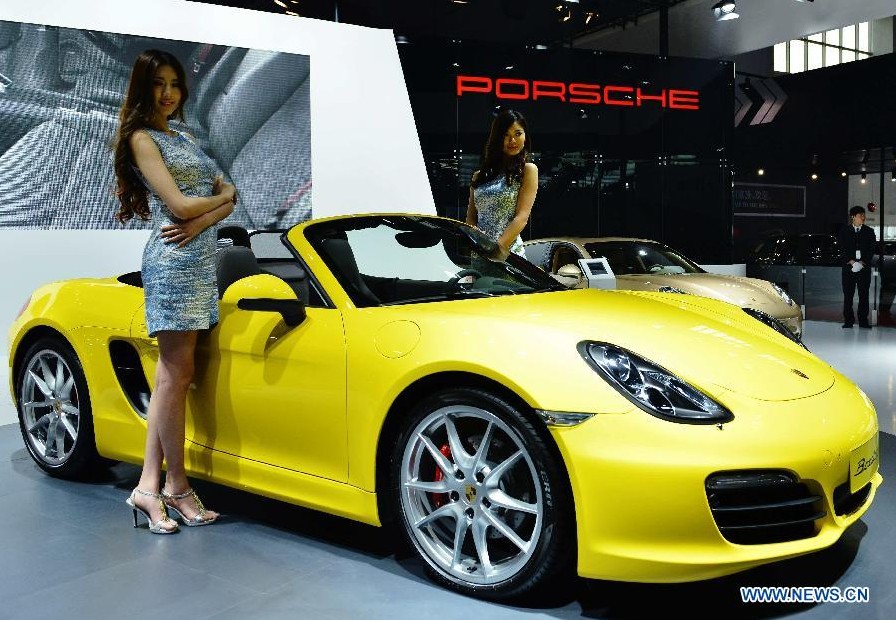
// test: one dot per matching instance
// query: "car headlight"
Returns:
(775, 324)
(671, 289)
(783, 295)
(652, 388)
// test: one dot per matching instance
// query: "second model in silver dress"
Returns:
(495, 203)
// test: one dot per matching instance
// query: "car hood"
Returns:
(709, 343)
(736, 290)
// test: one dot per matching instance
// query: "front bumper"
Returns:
(639, 483)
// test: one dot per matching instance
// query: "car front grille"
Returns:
(760, 507)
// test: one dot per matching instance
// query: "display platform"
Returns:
(69, 550)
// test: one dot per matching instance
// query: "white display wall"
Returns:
(365, 154)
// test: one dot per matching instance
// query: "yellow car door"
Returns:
(266, 391)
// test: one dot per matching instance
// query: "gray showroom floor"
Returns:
(68, 550)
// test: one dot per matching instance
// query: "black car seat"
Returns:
(342, 262)
(233, 235)
(235, 263)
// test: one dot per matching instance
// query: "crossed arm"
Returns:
(197, 212)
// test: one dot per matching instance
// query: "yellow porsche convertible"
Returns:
(399, 370)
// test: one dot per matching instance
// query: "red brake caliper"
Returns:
(439, 499)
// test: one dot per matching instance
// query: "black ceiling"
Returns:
(518, 21)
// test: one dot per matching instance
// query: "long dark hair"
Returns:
(494, 162)
(137, 113)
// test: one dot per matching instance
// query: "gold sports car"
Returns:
(643, 265)
(400, 371)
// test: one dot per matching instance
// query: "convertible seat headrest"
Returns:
(235, 263)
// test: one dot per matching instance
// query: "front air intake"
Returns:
(761, 507)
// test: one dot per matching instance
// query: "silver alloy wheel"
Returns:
(50, 407)
(471, 495)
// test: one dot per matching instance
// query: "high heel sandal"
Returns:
(199, 518)
(163, 525)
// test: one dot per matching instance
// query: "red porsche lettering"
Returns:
(610, 97)
(577, 92)
(473, 84)
(684, 99)
(511, 88)
(584, 93)
(548, 89)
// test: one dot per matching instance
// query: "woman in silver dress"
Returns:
(164, 176)
(503, 190)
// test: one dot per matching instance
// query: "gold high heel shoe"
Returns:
(199, 518)
(165, 525)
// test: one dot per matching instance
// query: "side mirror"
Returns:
(292, 310)
(266, 293)
(570, 271)
(570, 276)
(255, 312)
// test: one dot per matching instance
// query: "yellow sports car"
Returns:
(642, 265)
(400, 370)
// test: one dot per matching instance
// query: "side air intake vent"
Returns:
(129, 371)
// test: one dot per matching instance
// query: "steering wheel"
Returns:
(462, 274)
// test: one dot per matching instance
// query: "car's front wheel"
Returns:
(54, 409)
(481, 497)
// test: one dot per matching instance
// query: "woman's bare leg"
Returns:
(166, 416)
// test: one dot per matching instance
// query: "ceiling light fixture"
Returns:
(760, 172)
(589, 16)
(725, 10)
(864, 177)
(893, 176)
(814, 176)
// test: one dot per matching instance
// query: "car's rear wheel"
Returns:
(481, 497)
(54, 409)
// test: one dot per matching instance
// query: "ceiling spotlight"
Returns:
(843, 174)
(760, 172)
(725, 10)
(564, 12)
(864, 177)
(814, 176)
(893, 176)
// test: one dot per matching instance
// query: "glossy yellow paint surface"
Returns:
(297, 413)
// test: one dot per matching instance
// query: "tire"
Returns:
(495, 522)
(55, 417)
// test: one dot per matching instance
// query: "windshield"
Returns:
(396, 259)
(641, 257)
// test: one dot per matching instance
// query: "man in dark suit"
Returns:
(856, 248)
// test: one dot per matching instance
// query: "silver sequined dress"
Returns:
(180, 284)
(495, 203)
